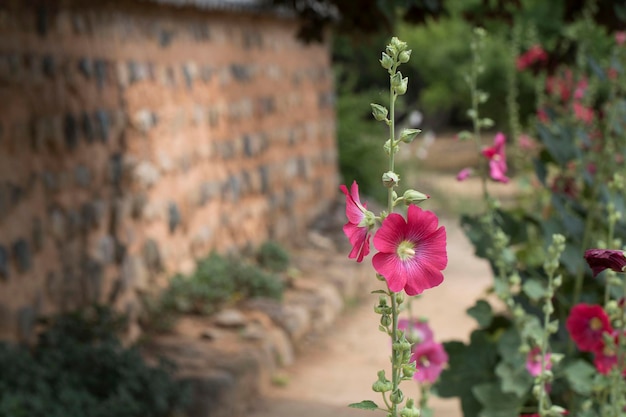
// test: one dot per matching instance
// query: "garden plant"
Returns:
(551, 335)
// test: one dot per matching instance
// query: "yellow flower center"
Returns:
(406, 250)
(595, 324)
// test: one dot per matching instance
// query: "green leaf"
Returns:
(481, 312)
(515, 379)
(534, 289)
(364, 405)
(496, 403)
(580, 375)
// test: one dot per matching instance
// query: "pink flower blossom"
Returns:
(464, 174)
(581, 88)
(430, 358)
(497, 159)
(526, 143)
(542, 115)
(583, 113)
(620, 37)
(416, 331)
(357, 229)
(412, 253)
(534, 55)
(533, 361)
(601, 259)
(586, 323)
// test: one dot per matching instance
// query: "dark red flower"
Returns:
(586, 324)
(601, 259)
(534, 55)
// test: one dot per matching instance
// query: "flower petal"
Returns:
(388, 265)
(390, 234)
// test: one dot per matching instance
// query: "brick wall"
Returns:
(137, 137)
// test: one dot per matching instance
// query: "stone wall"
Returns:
(136, 137)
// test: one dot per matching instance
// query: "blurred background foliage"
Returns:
(438, 31)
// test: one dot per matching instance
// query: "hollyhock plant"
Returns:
(430, 359)
(533, 361)
(601, 259)
(497, 159)
(586, 324)
(534, 55)
(412, 252)
(359, 223)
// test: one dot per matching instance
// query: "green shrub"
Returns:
(271, 255)
(218, 280)
(79, 369)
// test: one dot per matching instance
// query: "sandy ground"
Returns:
(340, 368)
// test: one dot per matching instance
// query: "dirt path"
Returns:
(341, 367)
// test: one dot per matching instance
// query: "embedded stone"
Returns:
(89, 131)
(37, 234)
(49, 180)
(103, 125)
(137, 72)
(70, 131)
(4, 263)
(134, 273)
(89, 215)
(100, 71)
(229, 318)
(85, 65)
(240, 72)
(93, 277)
(82, 176)
(152, 256)
(58, 225)
(144, 120)
(105, 249)
(265, 180)
(146, 174)
(165, 38)
(174, 217)
(21, 255)
(48, 65)
(116, 169)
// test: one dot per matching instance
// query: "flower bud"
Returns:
(401, 89)
(397, 397)
(410, 410)
(386, 61)
(379, 112)
(385, 320)
(408, 135)
(414, 197)
(397, 44)
(404, 56)
(396, 80)
(382, 384)
(390, 179)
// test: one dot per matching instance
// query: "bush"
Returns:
(79, 369)
(271, 255)
(218, 280)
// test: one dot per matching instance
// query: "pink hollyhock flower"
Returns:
(533, 361)
(497, 159)
(412, 253)
(620, 37)
(357, 229)
(586, 323)
(430, 358)
(464, 174)
(601, 259)
(581, 87)
(526, 143)
(534, 55)
(542, 115)
(583, 113)
(416, 332)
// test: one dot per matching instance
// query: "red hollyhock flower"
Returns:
(534, 55)
(412, 253)
(586, 323)
(606, 356)
(430, 358)
(601, 259)
(497, 159)
(357, 230)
